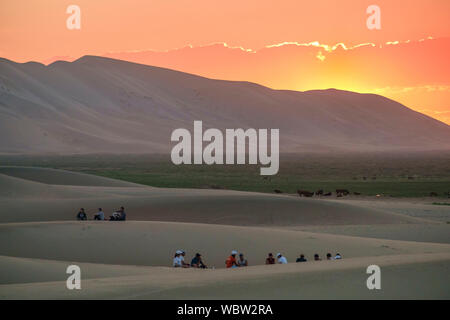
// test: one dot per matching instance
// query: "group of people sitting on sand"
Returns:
(196, 262)
(282, 259)
(234, 262)
(117, 215)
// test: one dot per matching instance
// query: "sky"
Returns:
(295, 45)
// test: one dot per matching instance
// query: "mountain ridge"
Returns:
(104, 105)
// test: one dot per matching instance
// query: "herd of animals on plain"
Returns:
(344, 192)
(341, 193)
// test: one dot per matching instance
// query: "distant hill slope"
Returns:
(62, 177)
(95, 105)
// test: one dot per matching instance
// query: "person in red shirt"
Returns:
(231, 261)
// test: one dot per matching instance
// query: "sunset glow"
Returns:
(295, 45)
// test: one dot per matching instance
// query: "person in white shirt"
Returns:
(177, 260)
(281, 259)
(100, 215)
(338, 256)
(183, 264)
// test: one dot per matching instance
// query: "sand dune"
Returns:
(110, 271)
(25, 270)
(429, 232)
(131, 260)
(405, 276)
(153, 243)
(99, 104)
(43, 202)
(418, 208)
(437, 228)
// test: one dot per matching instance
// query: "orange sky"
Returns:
(412, 72)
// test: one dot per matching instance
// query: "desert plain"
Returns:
(408, 239)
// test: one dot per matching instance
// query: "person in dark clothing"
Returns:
(270, 259)
(81, 215)
(119, 215)
(197, 262)
(301, 258)
(123, 215)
